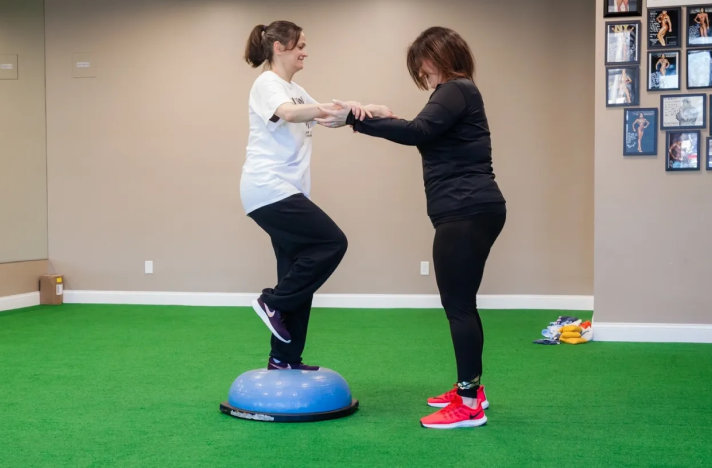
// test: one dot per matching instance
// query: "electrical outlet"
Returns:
(149, 267)
(425, 268)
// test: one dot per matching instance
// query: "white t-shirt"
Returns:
(278, 152)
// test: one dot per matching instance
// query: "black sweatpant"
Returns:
(309, 246)
(460, 250)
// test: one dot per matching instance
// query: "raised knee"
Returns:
(342, 243)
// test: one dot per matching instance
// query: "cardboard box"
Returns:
(52, 290)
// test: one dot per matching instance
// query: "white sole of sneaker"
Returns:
(469, 423)
(261, 314)
(485, 405)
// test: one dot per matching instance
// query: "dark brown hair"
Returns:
(259, 45)
(448, 52)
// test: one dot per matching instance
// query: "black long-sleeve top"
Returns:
(452, 135)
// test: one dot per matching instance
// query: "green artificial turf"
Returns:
(139, 386)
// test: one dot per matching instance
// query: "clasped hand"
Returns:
(336, 115)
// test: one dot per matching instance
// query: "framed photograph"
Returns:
(709, 154)
(683, 111)
(669, 3)
(664, 28)
(623, 42)
(683, 151)
(641, 132)
(699, 68)
(664, 70)
(623, 86)
(698, 26)
(622, 8)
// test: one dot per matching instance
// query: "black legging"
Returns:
(309, 246)
(460, 251)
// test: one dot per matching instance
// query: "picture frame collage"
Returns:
(681, 116)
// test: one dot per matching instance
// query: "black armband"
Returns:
(350, 119)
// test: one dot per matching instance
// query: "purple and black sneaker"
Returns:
(277, 365)
(273, 320)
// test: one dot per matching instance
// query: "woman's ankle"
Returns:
(471, 402)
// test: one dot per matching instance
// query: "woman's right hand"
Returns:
(337, 114)
(381, 111)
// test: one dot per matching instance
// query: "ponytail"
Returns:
(259, 45)
(255, 53)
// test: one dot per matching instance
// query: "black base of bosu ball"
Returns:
(289, 396)
(288, 417)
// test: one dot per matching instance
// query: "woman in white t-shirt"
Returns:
(275, 188)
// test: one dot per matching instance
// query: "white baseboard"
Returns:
(346, 301)
(603, 331)
(652, 332)
(19, 301)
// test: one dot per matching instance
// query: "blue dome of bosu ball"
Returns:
(289, 396)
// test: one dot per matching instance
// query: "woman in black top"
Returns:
(464, 202)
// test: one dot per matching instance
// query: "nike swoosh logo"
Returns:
(270, 313)
(278, 367)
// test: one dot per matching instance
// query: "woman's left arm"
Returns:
(445, 107)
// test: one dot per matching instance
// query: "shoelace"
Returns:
(456, 411)
(450, 395)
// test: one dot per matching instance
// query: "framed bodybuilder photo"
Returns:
(623, 42)
(622, 86)
(622, 8)
(641, 132)
(668, 3)
(708, 164)
(683, 151)
(664, 28)
(699, 68)
(664, 70)
(698, 26)
(683, 111)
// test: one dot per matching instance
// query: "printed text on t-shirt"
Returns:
(308, 124)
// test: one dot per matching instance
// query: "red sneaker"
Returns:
(455, 415)
(441, 401)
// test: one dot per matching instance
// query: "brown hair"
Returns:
(448, 52)
(259, 45)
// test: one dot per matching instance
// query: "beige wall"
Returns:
(23, 158)
(21, 277)
(145, 159)
(653, 260)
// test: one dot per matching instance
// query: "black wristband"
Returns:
(350, 119)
